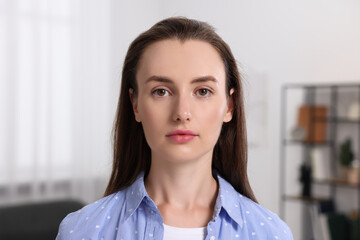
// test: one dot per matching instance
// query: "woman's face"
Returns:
(181, 100)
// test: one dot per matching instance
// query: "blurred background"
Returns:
(60, 65)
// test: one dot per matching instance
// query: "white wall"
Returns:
(276, 42)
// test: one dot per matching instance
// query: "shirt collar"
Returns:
(227, 199)
(135, 195)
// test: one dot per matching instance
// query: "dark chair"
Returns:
(38, 221)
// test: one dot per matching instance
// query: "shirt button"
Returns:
(212, 238)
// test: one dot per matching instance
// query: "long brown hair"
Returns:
(131, 151)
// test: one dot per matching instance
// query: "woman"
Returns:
(180, 153)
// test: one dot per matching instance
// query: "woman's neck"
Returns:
(185, 193)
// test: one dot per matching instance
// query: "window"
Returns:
(56, 115)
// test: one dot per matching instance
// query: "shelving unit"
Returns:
(330, 95)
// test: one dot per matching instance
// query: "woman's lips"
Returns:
(181, 136)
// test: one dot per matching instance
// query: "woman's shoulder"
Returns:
(250, 215)
(255, 210)
(98, 207)
(93, 216)
(261, 221)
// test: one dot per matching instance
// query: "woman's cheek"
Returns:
(214, 112)
(152, 119)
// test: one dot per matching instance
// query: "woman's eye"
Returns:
(161, 92)
(203, 92)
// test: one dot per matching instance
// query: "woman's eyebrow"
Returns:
(195, 80)
(204, 79)
(158, 79)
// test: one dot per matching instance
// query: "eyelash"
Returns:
(156, 91)
(167, 93)
(208, 93)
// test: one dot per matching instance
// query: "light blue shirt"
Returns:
(131, 214)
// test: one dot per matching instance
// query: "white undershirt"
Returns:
(175, 233)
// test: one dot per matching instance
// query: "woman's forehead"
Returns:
(176, 59)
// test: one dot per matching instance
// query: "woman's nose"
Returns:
(182, 109)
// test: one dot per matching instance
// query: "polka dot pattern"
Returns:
(127, 214)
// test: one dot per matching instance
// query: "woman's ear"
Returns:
(230, 106)
(133, 100)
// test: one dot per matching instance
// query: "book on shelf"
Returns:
(355, 229)
(318, 213)
(339, 226)
(331, 225)
(320, 164)
(312, 120)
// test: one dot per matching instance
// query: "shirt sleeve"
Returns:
(65, 228)
(61, 231)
